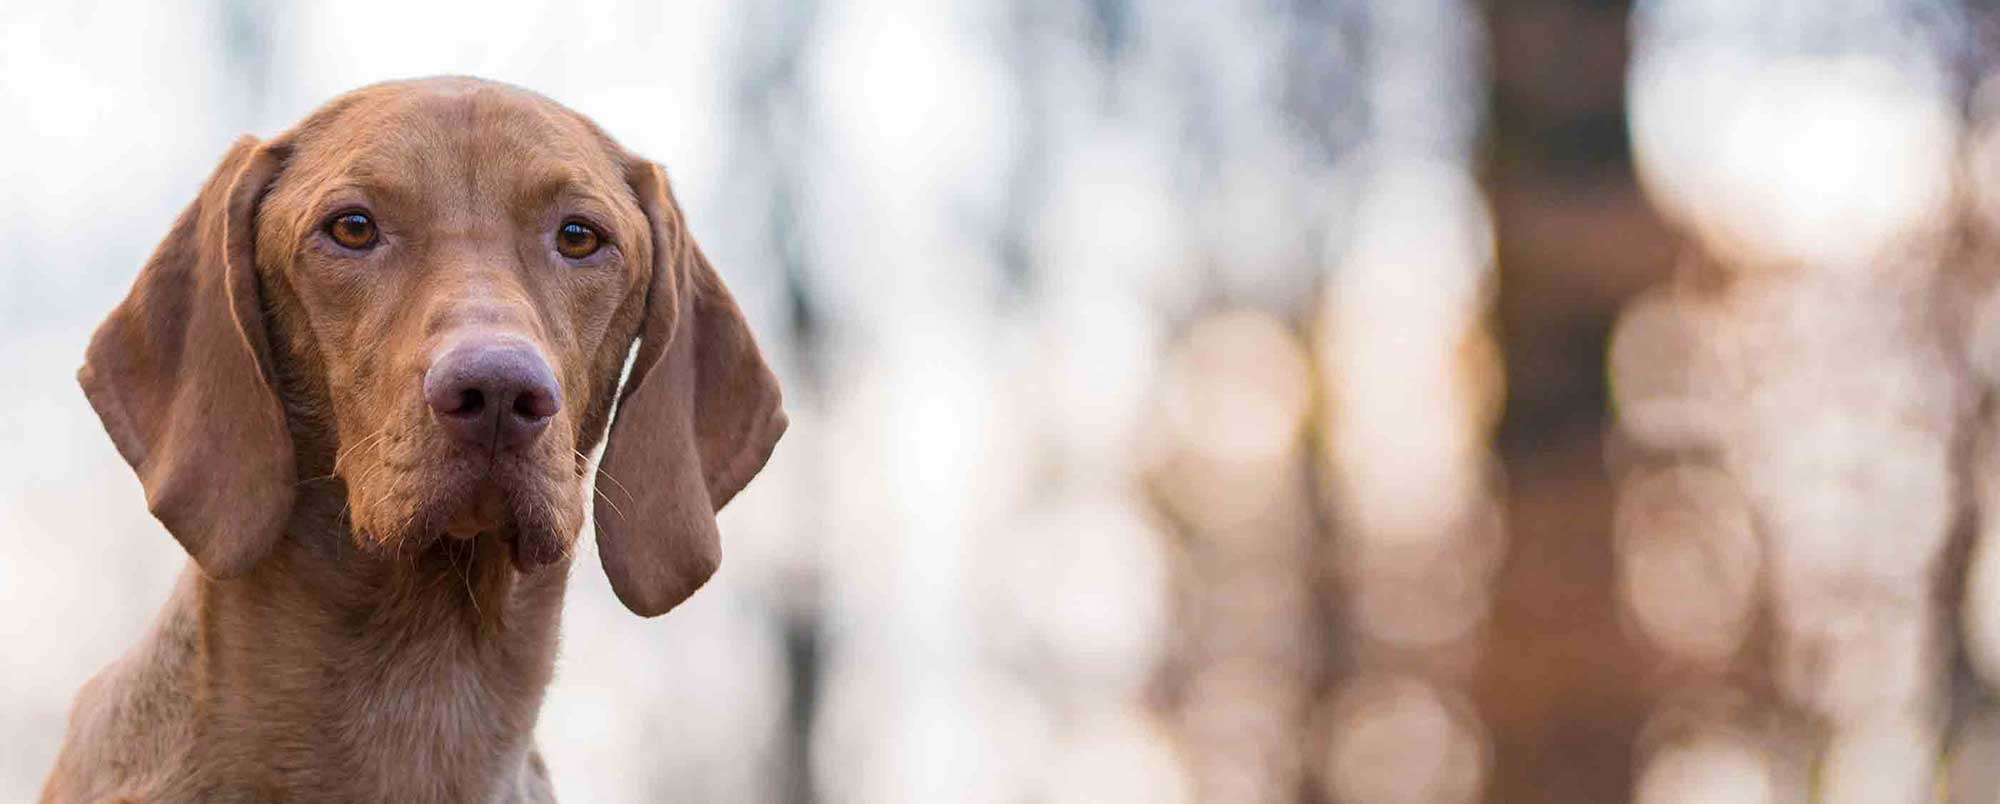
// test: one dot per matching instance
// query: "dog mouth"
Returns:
(463, 502)
(489, 511)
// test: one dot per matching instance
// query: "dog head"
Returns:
(426, 291)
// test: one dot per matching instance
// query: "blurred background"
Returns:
(1248, 401)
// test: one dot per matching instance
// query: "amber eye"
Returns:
(353, 230)
(577, 240)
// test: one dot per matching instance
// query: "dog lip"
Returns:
(468, 499)
(531, 554)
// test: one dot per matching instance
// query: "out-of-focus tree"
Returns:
(1563, 686)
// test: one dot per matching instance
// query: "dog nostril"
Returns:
(535, 405)
(470, 402)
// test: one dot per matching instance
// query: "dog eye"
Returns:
(577, 240)
(353, 230)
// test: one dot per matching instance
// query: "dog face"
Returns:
(426, 291)
(456, 274)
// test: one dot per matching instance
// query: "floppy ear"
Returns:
(697, 419)
(180, 375)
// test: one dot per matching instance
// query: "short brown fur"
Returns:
(329, 641)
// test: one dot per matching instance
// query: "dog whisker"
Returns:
(607, 476)
(465, 579)
(607, 501)
(592, 465)
(379, 432)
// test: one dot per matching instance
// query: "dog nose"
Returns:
(492, 395)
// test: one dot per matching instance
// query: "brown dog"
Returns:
(358, 382)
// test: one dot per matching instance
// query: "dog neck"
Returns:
(412, 673)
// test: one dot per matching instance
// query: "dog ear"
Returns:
(180, 374)
(698, 418)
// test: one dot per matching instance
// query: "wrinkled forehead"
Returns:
(457, 144)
